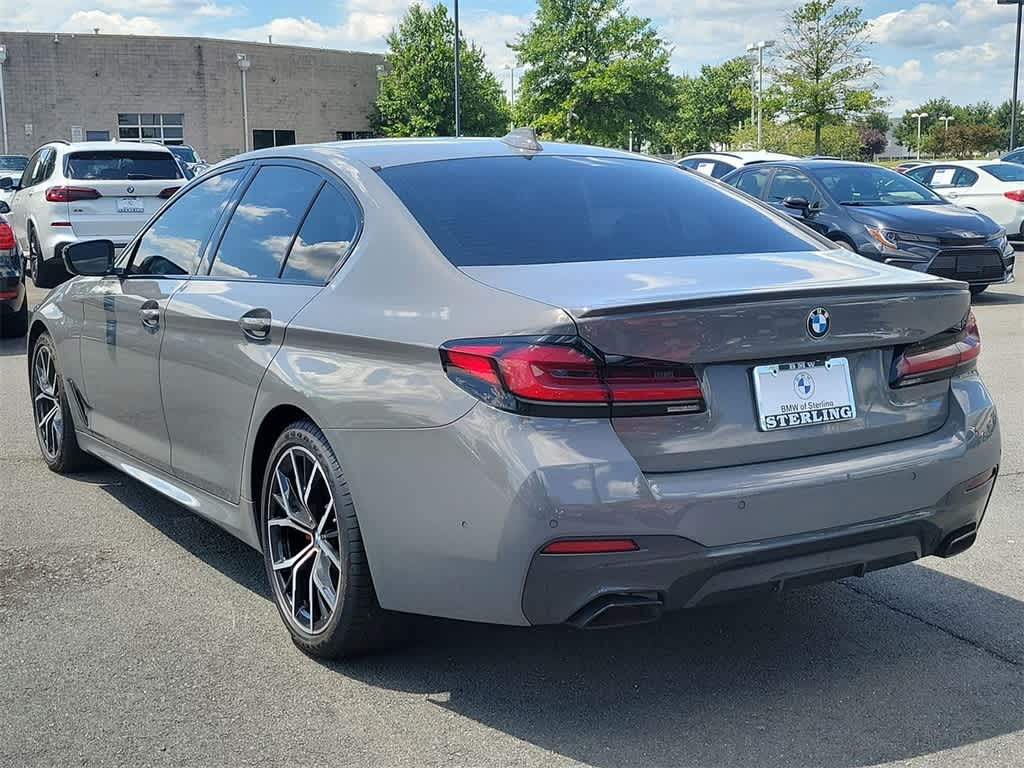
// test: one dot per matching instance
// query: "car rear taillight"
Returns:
(70, 194)
(589, 546)
(1017, 195)
(564, 377)
(168, 193)
(6, 237)
(938, 358)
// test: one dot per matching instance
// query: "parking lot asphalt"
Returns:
(133, 633)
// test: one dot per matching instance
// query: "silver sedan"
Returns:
(513, 382)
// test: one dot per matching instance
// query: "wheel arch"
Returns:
(273, 424)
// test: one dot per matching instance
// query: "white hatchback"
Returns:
(991, 187)
(84, 191)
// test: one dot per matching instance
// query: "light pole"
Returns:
(1016, 70)
(3, 94)
(759, 46)
(458, 118)
(919, 116)
(512, 93)
(243, 67)
(946, 119)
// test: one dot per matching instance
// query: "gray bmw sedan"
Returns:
(513, 382)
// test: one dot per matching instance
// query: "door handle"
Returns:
(255, 324)
(149, 314)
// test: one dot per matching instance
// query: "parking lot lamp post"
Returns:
(243, 67)
(1016, 70)
(759, 46)
(3, 95)
(919, 116)
(458, 117)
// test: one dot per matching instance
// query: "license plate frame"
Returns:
(781, 402)
(130, 205)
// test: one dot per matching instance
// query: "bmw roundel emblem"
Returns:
(131, 189)
(803, 385)
(818, 323)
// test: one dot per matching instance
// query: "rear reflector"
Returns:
(938, 359)
(70, 194)
(563, 377)
(589, 546)
(980, 479)
(4, 295)
(169, 192)
(1017, 195)
(6, 237)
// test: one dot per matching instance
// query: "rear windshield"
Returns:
(121, 165)
(13, 163)
(549, 209)
(1005, 171)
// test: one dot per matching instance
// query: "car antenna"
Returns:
(522, 138)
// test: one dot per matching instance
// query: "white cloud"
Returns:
(114, 23)
(364, 24)
(214, 11)
(906, 74)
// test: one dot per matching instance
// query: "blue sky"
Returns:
(962, 49)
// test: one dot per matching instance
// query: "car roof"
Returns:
(100, 146)
(809, 164)
(744, 156)
(968, 163)
(385, 153)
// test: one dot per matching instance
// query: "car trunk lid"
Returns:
(725, 315)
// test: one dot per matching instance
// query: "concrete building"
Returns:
(181, 90)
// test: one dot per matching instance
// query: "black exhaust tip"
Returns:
(958, 541)
(621, 610)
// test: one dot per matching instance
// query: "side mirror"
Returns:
(797, 203)
(4, 207)
(7, 183)
(93, 258)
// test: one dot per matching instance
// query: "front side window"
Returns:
(121, 165)
(867, 185)
(550, 209)
(172, 246)
(262, 226)
(921, 175)
(790, 183)
(325, 237)
(753, 182)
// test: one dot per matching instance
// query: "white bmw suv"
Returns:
(86, 191)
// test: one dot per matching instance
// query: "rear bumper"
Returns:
(453, 518)
(12, 293)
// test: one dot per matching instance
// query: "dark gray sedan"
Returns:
(515, 383)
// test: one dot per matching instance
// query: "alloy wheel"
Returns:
(46, 402)
(304, 540)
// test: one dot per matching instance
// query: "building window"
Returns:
(266, 138)
(351, 135)
(149, 126)
(97, 135)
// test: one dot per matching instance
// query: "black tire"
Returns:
(35, 254)
(357, 624)
(977, 290)
(15, 325)
(68, 457)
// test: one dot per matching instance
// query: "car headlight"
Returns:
(884, 237)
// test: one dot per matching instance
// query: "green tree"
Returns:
(967, 140)
(593, 72)
(905, 131)
(838, 139)
(417, 90)
(710, 106)
(823, 65)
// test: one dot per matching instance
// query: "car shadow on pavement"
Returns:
(841, 675)
(15, 346)
(996, 298)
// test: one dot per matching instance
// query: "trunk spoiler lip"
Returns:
(892, 291)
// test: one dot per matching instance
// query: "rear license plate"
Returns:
(130, 205)
(802, 394)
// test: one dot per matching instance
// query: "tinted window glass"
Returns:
(13, 162)
(121, 165)
(263, 224)
(172, 245)
(1005, 171)
(1014, 157)
(752, 182)
(185, 154)
(721, 169)
(872, 186)
(790, 183)
(546, 209)
(951, 176)
(325, 237)
(29, 174)
(921, 175)
(47, 161)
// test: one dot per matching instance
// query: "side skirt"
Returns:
(236, 519)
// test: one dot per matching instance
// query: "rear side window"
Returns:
(1005, 171)
(121, 165)
(549, 209)
(171, 246)
(263, 225)
(326, 235)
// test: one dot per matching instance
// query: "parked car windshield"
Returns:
(13, 162)
(185, 154)
(549, 209)
(1005, 171)
(122, 165)
(872, 185)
